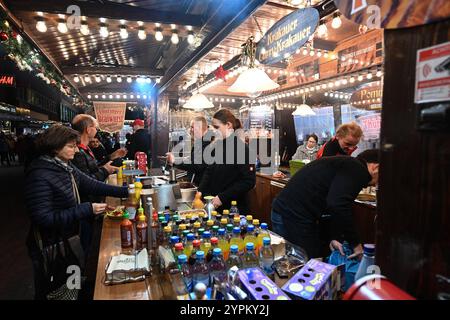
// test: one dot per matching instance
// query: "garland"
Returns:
(27, 58)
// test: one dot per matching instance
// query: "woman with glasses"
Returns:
(307, 151)
(230, 173)
(52, 197)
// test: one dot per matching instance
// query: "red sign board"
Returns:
(7, 80)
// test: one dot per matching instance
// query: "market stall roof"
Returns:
(87, 59)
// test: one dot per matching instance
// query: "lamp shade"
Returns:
(303, 110)
(198, 101)
(253, 80)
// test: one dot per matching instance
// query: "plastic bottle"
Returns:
(166, 239)
(209, 224)
(174, 240)
(226, 215)
(195, 247)
(138, 187)
(214, 244)
(237, 222)
(223, 223)
(186, 271)
(120, 177)
(200, 270)
(234, 259)
(184, 236)
(217, 220)
(367, 261)
(250, 259)
(206, 243)
(223, 243)
(141, 233)
(167, 213)
(250, 236)
(179, 250)
(189, 244)
(234, 209)
(154, 232)
(131, 205)
(266, 258)
(237, 240)
(229, 232)
(218, 267)
(263, 233)
(214, 231)
(196, 228)
(126, 234)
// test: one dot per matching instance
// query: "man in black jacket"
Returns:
(195, 166)
(325, 186)
(140, 140)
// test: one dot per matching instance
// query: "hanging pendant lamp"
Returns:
(303, 110)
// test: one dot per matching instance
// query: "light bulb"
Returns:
(119, 79)
(158, 35)
(305, 52)
(87, 79)
(76, 79)
(41, 26)
(337, 22)
(123, 32)
(110, 96)
(104, 33)
(352, 80)
(89, 96)
(62, 26)
(98, 79)
(138, 96)
(108, 79)
(103, 96)
(158, 80)
(129, 80)
(379, 74)
(84, 29)
(360, 78)
(319, 54)
(369, 76)
(190, 37)
(141, 34)
(326, 94)
(311, 53)
(96, 96)
(174, 39)
(322, 30)
(148, 80)
(117, 96)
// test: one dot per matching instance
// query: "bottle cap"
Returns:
(201, 230)
(249, 246)
(182, 226)
(217, 251)
(178, 246)
(141, 217)
(226, 212)
(234, 248)
(214, 240)
(264, 226)
(266, 240)
(174, 239)
(250, 228)
(188, 216)
(223, 221)
(206, 235)
(185, 233)
(249, 217)
(221, 231)
(234, 203)
(236, 219)
(126, 215)
(182, 258)
(256, 222)
(214, 213)
(237, 230)
(210, 223)
(196, 243)
(200, 254)
(197, 224)
(229, 227)
(141, 211)
(167, 229)
(369, 249)
(190, 236)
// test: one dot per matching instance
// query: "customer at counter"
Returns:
(231, 174)
(140, 140)
(196, 166)
(309, 150)
(344, 142)
(52, 200)
(325, 186)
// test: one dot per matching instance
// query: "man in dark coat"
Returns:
(140, 140)
(325, 186)
(195, 166)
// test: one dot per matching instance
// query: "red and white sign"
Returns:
(110, 115)
(433, 74)
(370, 125)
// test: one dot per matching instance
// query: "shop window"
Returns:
(322, 124)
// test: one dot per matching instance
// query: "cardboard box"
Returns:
(315, 281)
(259, 286)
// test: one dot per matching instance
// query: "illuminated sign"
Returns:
(287, 35)
(368, 96)
(7, 80)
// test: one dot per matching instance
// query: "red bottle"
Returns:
(126, 234)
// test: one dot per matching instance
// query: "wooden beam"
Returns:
(119, 70)
(109, 10)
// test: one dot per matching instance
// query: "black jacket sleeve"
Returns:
(94, 187)
(242, 185)
(348, 182)
(81, 161)
(207, 176)
(39, 200)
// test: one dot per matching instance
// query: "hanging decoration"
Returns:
(221, 73)
(27, 59)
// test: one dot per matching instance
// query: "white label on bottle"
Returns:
(131, 212)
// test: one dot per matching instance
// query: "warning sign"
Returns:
(433, 74)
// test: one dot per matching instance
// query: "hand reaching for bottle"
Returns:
(120, 153)
(216, 202)
(111, 169)
(98, 208)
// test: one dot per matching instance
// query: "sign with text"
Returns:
(393, 14)
(363, 54)
(110, 115)
(7, 80)
(367, 96)
(433, 74)
(287, 35)
(370, 125)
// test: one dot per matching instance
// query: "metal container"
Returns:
(188, 191)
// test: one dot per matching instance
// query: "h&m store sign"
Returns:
(287, 35)
(7, 80)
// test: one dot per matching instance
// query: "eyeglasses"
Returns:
(73, 146)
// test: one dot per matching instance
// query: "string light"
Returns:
(104, 32)
(62, 26)
(322, 30)
(84, 29)
(337, 22)
(174, 38)
(123, 32)
(76, 79)
(141, 33)
(129, 80)
(119, 79)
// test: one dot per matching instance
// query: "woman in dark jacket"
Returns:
(231, 174)
(52, 198)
